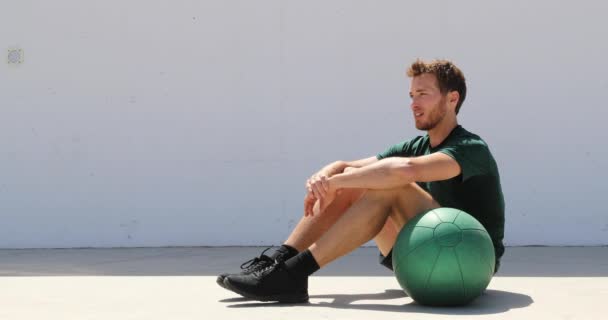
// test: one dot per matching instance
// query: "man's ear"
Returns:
(453, 98)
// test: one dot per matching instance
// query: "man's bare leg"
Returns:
(288, 281)
(387, 236)
(367, 217)
(310, 229)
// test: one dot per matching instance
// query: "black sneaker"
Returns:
(248, 267)
(273, 283)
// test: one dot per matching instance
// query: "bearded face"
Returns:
(433, 116)
(429, 105)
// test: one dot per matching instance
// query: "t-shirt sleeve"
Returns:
(394, 150)
(474, 158)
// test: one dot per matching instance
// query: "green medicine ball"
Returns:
(443, 257)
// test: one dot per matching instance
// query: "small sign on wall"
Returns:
(15, 56)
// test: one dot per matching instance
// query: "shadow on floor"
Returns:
(491, 302)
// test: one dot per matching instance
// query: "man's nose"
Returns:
(413, 104)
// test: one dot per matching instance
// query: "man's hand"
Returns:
(309, 204)
(327, 171)
(318, 189)
(321, 191)
(320, 194)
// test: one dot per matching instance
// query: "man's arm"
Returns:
(339, 166)
(359, 163)
(317, 184)
(396, 172)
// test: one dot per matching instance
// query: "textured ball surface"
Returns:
(444, 257)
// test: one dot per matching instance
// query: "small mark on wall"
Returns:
(15, 56)
(291, 224)
(130, 228)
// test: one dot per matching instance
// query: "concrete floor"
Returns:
(179, 283)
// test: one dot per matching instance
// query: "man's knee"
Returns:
(405, 202)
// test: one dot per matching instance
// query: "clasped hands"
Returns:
(321, 192)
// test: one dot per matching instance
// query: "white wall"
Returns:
(169, 123)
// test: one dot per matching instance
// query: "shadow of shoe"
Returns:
(491, 302)
(239, 299)
(348, 298)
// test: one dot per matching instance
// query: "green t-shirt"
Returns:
(476, 190)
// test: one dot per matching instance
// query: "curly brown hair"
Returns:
(449, 77)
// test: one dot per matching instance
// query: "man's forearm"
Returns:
(340, 165)
(333, 168)
(384, 174)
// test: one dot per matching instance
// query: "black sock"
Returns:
(284, 252)
(302, 265)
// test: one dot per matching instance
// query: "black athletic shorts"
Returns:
(388, 261)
